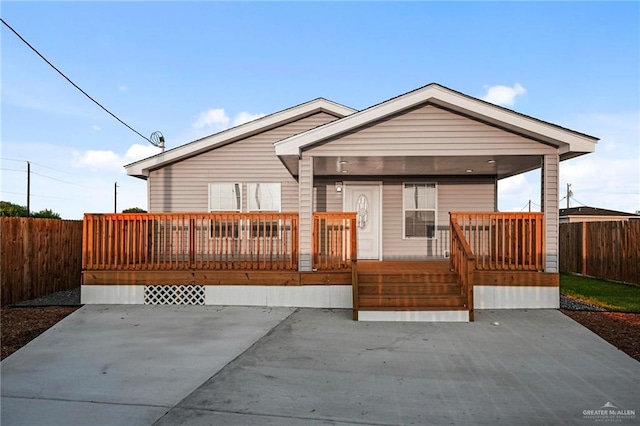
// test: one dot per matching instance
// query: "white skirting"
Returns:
(414, 316)
(112, 294)
(308, 296)
(515, 297)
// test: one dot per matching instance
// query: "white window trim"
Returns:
(435, 212)
(240, 186)
(266, 211)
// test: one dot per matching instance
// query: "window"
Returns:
(263, 197)
(225, 197)
(419, 208)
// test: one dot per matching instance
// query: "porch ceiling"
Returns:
(500, 166)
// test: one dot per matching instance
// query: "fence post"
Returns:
(584, 248)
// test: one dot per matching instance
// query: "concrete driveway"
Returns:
(141, 365)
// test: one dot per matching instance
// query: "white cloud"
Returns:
(109, 160)
(245, 117)
(96, 128)
(608, 178)
(504, 95)
(213, 119)
(216, 120)
(515, 192)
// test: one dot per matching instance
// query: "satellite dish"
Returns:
(157, 139)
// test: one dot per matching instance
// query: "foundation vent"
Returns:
(174, 295)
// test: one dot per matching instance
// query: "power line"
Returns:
(34, 195)
(53, 168)
(45, 176)
(577, 201)
(59, 180)
(74, 84)
(41, 165)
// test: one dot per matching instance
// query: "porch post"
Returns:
(549, 187)
(305, 209)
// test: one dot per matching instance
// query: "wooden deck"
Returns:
(261, 249)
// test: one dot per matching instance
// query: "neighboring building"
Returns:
(401, 166)
(593, 214)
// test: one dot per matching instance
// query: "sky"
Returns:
(190, 69)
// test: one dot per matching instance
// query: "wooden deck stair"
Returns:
(403, 286)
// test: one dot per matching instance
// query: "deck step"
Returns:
(413, 301)
(409, 289)
(435, 277)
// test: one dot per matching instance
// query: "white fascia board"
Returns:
(141, 168)
(566, 140)
(441, 96)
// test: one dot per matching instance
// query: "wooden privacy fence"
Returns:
(334, 240)
(503, 241)
(179, 241)
(609, 250)
(38, 257)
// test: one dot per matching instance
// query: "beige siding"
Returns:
(550, 189)
(325, 196)
(430, 131)
(183, 186)
(453, 195)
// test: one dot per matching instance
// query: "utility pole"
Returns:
(28, 189)
(115, 197)
(529, 206)
(569, 194)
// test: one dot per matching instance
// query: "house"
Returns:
(390, 211)
(593, 214)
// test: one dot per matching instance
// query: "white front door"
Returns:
(365, 201)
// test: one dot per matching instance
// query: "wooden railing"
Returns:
(462, 263)
(503, 241)
(334, 240)
(179, 241)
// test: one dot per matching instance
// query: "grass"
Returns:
(610, 295)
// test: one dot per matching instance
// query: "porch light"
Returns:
(491, 161)
(338, 186)
(345, 171)
(343, 161)
(469, 171)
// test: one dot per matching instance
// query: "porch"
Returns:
(232, 250)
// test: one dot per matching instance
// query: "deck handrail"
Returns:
(462, 263)
(503, 241)
(334, 240)
(180, 241)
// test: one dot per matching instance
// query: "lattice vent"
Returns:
(174, 295)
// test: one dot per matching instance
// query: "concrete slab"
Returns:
(129, 364)
(535, 367)
(28, 412)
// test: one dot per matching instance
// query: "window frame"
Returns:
(256, 231)
(239, 185)
(249, 209)
(434, 210)
(215, 228)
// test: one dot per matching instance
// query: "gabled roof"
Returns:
(592, 211)
(569, 142)
(141, 168)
